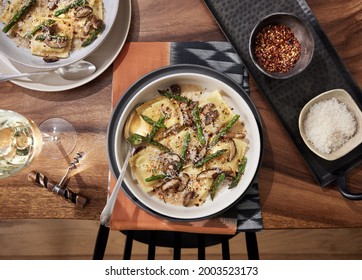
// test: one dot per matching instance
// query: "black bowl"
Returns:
(145, 89)
(300, 31)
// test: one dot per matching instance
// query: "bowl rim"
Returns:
(65, 61)
(152, 76)
(353, 142)
(279, 76)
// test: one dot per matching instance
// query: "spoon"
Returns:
(75, 71)
(108, 209)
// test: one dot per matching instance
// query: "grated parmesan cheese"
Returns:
(329, 125)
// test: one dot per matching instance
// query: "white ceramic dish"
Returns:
(344, 97)
(102, 58)
(146, 89)
(23, 56)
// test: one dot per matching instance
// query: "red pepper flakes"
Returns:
(277, 49)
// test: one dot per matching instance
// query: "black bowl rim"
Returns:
(281, 76)
(145, 80)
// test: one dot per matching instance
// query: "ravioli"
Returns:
(222, 161)
(224, 111)
(145, 164)
(154, 109)
(176, 165)
(175, 141)
(11, 10)
(64, 29)
(79, 29)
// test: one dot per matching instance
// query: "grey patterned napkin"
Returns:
(222, 57)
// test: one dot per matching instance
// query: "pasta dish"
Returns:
(190, 145)
(52, 28)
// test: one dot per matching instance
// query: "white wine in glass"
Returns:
(21, 141)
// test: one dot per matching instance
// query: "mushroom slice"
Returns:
(170, 162)
(170, 157)
(170, 168)
(210, 113)
(207, 108)
(87, 27)
(92, 22)
(176, 89)
(196, 154)
(50, 29)
(202, 152)
(138, 149)
(171, 185)
(98, 24)
(83, 11)
(232, 150)
(50, 59)
(193, 152)
(185, 179)
(186, 111)
(208, 174)
(238, 135)
(188, 198)
(211, 116)
(55, 42)
(172, 130)
(53, 4)
(228, 179)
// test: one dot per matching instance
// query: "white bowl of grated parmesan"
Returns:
(331, 124)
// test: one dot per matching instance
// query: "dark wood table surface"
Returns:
(290, 196)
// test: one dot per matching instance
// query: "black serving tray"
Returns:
(287, 97)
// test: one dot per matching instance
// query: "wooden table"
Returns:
(290, 196)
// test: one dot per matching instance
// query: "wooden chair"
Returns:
(175, 240)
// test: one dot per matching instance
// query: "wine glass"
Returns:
(21, 141)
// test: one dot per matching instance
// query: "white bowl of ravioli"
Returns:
(50, 34)
(174, 177)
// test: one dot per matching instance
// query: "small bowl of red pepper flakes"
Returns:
(281, 45)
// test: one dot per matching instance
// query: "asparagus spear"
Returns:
(241, 169)
(92, 37)
(185, 145)
(216, 184)
(158, 123)
(155, 177)
(136, 139)
(196, 117)
(210, 157)
(156, 127)
(18, 15)
(159, 145)
(184, 151)
(170, 95)
(225, 130)
(42, 37)
(39, 27)
(70, 6)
